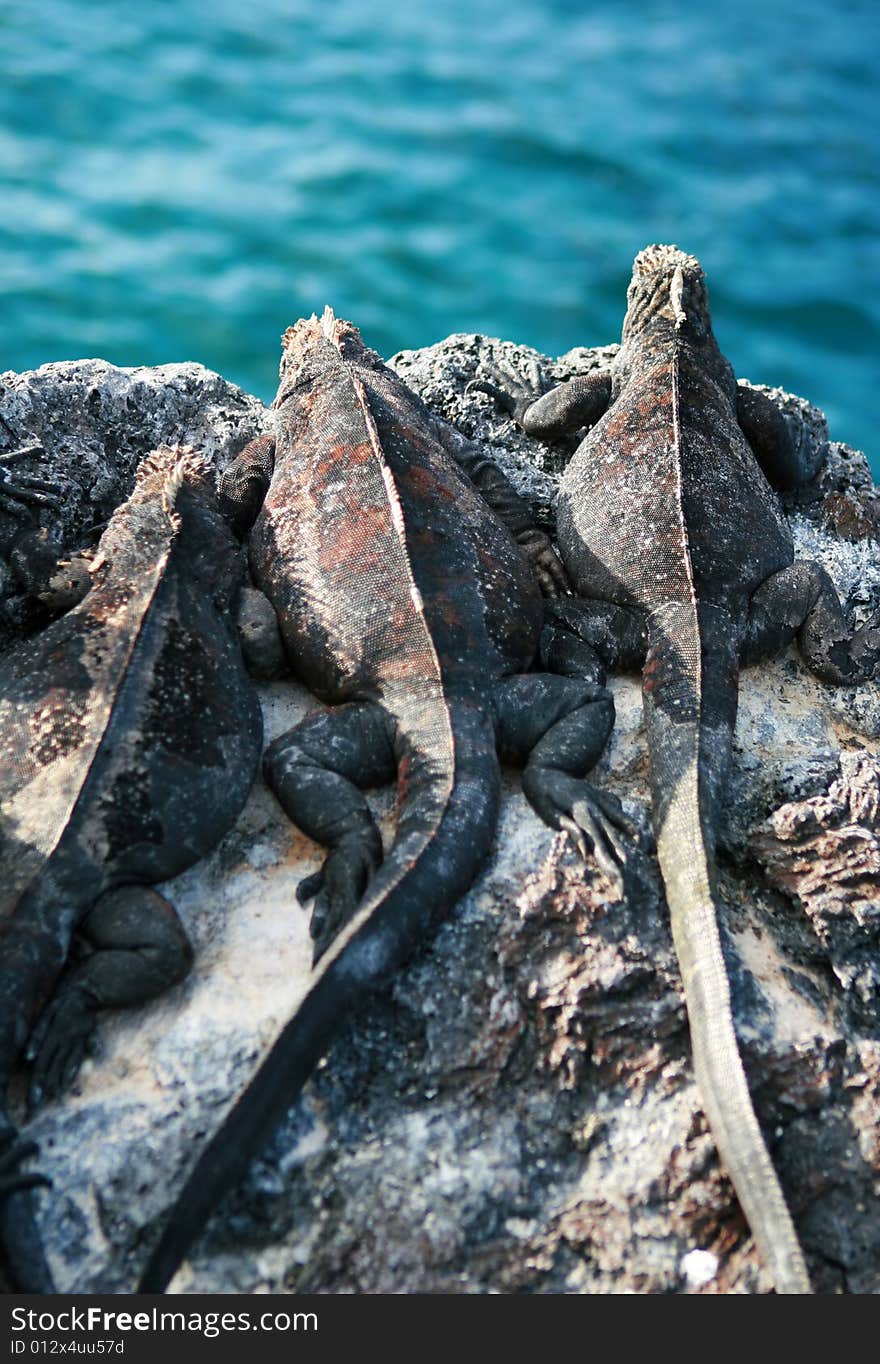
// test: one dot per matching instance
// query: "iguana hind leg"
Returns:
(780, 440)
(316, 771)
(558, 726)
(261, 644)
(140, 950)
(582, 637)
(801, 601)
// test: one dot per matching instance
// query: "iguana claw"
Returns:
(594, 825)
(58, 1045)
(338, 888)
(548, 567)
(593, 819)
(510, 389)
(12, 1152)
(20, 491)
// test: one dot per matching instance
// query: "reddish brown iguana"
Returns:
(407, 606)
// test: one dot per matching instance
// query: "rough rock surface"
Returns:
(95, 422)
(518, 1112)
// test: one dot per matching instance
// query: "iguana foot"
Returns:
(139, 949)
(559, 726)
(546, 564)
(13, 1151)
(18, 492)
(339, 886)
(593, 819)
(510, 389)
(22, 1257)
(59, 1043)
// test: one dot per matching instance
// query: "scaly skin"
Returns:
(129, 738)
(404, 603)
(669, 526)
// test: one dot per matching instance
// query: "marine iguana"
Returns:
(668, 523)
(130, 734)
(408, 607)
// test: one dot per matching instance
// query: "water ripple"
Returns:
(180, 181)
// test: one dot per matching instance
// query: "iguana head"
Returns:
(173, 503)
(667, 286)
(314, 343)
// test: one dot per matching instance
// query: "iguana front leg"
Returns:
(582, 637)
(547, 416)
(18, 491)
(58, 584)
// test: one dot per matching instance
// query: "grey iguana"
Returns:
(129, 738)
(669, 526)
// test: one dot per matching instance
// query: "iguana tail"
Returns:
(690, 690)
(430, 865)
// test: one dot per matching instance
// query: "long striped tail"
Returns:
(690, 690)
(429, 868)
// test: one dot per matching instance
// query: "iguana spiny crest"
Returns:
(311, 337)
(667, 283)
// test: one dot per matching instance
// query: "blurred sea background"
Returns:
(181, 180)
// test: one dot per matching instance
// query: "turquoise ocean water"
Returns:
(181, 180)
